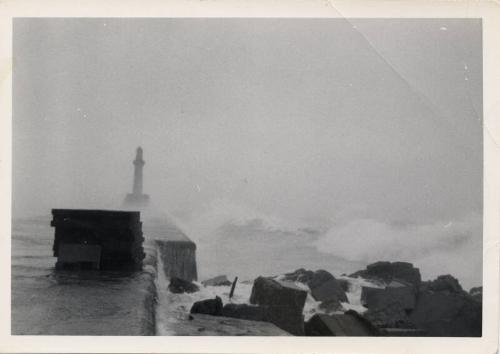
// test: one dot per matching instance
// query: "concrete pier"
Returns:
(97, 239)
(175, 250)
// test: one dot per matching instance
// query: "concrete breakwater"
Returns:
(46, 301)
(50, 302)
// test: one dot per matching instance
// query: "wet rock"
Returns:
(319, 278)
(476, 290)
(347, 324)
(375, 298)
(284, 303)
(330, 306)
(289, 319)
(325, 288)
(446, 283)
(272, 292)
(344, 284)
(447, 312)
(477, 293)
(391, 315)
(178, 286)
(388, 271)
(208, 307)
(329, 291)
(245, 312)
(300, 275)
(220, 280)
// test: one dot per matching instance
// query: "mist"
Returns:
(367, 131)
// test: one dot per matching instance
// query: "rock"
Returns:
(245, 312)
(325, 288)
(476, 290)
(446, 283)
(300, 275)
(398, 284)
(330, 306)
(375, 298)
(272, 292)
(477, 293)
(447, 313)
(344, 284)
(208, 307)
(289, 319)
(178, 285)
(391, 315)
(328, 291)
(220, 280)
(319, 278)
(284, 303)
(387, 272)
(346, 324)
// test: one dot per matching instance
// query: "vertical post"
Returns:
(232, 287)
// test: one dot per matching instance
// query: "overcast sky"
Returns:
(308, 120)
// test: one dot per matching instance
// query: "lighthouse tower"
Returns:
(137, 199)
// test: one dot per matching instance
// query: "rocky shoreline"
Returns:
(394, 302)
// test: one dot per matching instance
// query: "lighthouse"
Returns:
(137, 199)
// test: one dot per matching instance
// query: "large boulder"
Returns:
(386, 272)
(376, 298)
(328, 290)
(178, 286)
(289, 319)
(390, 315)
(208, 307)
(220, 280)
(445, 283)
(344, 284)
(284, 303)
(300, 275)
(443, 311)
(319, 277)
(266, 291)
(330, 306)
(348, 324)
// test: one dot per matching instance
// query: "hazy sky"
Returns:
(309, 120)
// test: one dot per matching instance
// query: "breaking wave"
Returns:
(438, 248)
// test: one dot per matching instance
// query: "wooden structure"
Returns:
(98, 239)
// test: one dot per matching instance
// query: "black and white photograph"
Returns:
(210, 176)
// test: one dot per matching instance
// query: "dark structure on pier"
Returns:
(137, 199)
(178, 259)
(98, 239)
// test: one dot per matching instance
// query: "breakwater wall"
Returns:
(46, 301)
(178, 259)
(84, 303)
